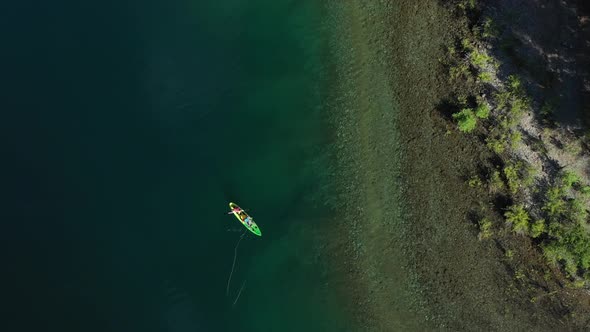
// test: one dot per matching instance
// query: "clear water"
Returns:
(133, 125)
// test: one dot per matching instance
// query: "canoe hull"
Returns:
(242, 217)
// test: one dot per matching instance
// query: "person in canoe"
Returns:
(248, 221)
(243, 216)
(237, 210)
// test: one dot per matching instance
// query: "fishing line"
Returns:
(239, 293)
(233, 265)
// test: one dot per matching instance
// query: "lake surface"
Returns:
(131, 125)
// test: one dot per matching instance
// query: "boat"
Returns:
(243, 217)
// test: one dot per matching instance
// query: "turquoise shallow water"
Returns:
(134, 125)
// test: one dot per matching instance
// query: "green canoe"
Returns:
(242, 215)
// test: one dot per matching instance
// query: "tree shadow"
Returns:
(548, 41)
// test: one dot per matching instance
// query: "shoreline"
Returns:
(404, 168)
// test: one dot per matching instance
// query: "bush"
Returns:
(529, 176)
(482, 111)
(515, 139)
(538, 228)
(571, 247)
(474, 182)
(485, 228)
(489, 28)
(577, 211)
(502, 99)
(511, 173)
(466, 120)
(555, 205)
(496, 182)
(556, 253)
(517, 108)
(514, 85)
(479, 59)
(496, 144)
(519, 218)
(485, 77)
(547, 111)
(461, 69)
(468, 4)
(568, 179)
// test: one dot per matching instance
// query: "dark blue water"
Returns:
(128, 128)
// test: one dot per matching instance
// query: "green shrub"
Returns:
(466, 44)
(485, 77)
(571, 247)
(474, 182)
(579, 283)
(568, 179)
(556, 253)
(496, 182)
(511, 174)
(573, 148)
(519, 218)
(496, 144)
(466, 120)
(585, 191)
(467, 4)
(547, 111)
(529, 175)
(489, 28)
(515, 139)
(514, 84)
(518, 106)
(577, 211)
(478, 58)
(555, 204)
(502, 99)
(482, 111)
(485, 228)
(538, 228)
(509, 254)
(459, 70)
